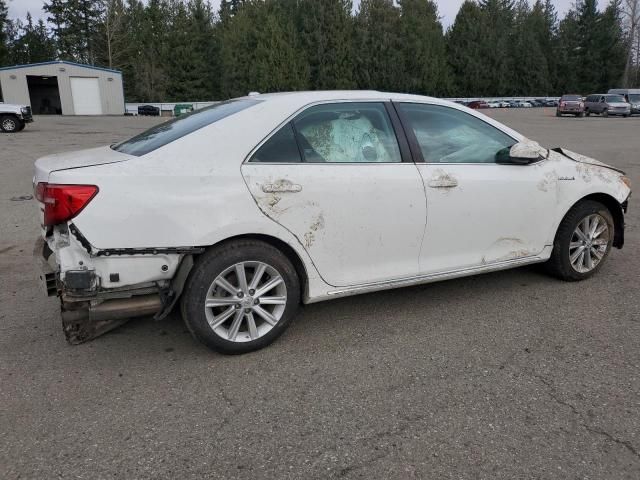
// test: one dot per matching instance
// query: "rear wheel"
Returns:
(558, 114)
(240, 296)
(587, 113)
(583, 242)
(605, 113)
(9, 124)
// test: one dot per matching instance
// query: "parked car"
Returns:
(605, 105)
(148, 110)
(241, 211)
(551, 103)
(478, 104)
(537, 103)
(13, 118)
(494, 104)
(570, 104)
(631, 96)
(504, 104)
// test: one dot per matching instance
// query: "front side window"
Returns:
(167, 132)
(347, 133)
(447, 135)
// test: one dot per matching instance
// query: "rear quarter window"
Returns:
(168, 132)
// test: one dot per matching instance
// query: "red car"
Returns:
(477, 104)
(571, 105)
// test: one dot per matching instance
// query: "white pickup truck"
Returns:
(13, 118)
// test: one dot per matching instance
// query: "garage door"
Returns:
(86, 96)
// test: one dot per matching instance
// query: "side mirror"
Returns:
(522, 153)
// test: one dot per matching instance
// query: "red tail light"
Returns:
(63, 202)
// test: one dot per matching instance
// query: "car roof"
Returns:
(302, 98)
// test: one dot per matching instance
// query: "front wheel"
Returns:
(605, 113)
(583, 242)
(587, 113)
(240, 296)
(9, 124)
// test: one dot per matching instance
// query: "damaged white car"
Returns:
(240, 212)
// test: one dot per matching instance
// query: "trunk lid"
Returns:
(82, 158)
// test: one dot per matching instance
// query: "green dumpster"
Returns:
(182, 108)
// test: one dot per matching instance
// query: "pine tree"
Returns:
(32, 43)
(530, 71)
(4, 37)
(260, 50)
(75, 25)
(464, 40)
(378, 46)
(423, 49)
(191, 60)
(612, 47)
(497, 28)
(325, 28)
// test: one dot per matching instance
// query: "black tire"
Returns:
(626, 116)
(213, 263)
(21, 126)
(605, 113)
(587, 113)
(558, 114)
(580, 115)
(9, 124)
(559, 265)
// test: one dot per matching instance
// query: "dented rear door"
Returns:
(343, 189)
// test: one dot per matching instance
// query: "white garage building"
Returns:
(64, 88)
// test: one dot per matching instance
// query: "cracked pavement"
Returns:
(511, 375)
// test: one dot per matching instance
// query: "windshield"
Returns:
(572, 98)
(167, 132)
(634, 97)
(615, 99)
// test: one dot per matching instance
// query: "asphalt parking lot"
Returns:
(511, 375)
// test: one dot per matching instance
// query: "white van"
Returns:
(631, 95)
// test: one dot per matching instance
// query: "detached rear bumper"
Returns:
(88, 312)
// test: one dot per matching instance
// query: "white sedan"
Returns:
(240, 212)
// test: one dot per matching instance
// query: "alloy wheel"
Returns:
(589, 243)
(246, 301)
(9, 125)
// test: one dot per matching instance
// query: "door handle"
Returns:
(281, 186)
(443, 182)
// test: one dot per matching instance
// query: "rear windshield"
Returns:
(167, 132)
(615, 99)
(571, 98)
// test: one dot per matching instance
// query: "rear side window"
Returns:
(165, 133)
(347, 133)
(280, 148)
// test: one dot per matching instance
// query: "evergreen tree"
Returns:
(464, 47)
(192, 57)
(32, 43)
(75, 25)
(530, 70)
(325, 28)
(260, 50)
(4, 36)
(497, 33)
(612, 47)
(424, 51)
(378, 51)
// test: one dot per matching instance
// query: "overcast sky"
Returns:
(448, 8)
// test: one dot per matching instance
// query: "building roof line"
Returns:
(61, 62)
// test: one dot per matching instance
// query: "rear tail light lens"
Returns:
(63, 202)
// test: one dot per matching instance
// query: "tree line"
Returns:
(177, 50)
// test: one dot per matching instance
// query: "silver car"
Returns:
(606, 104)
